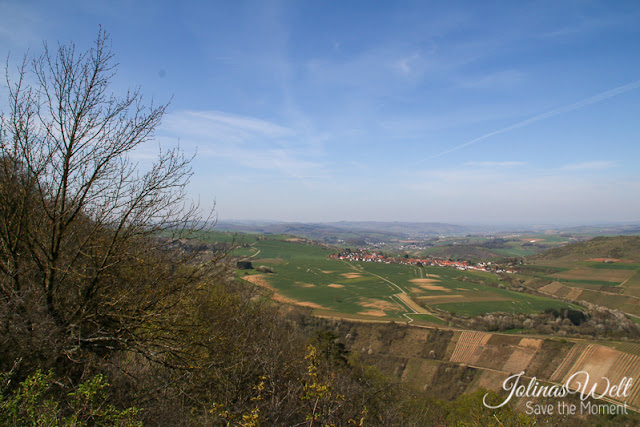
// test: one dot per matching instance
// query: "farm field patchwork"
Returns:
(304, 275)
(613, 283)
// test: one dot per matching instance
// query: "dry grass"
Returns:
(281, 298)
(377, 304)
(376, 313)
(305, 285)
(531, 343)
(429, 285)
(411, 303)
(259, 280)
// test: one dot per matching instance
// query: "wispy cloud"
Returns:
(549, 114)
(496, 165)
(218, 126)
(251, 143)
(416, 126)
(596, 165)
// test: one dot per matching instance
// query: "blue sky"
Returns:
(459, 112)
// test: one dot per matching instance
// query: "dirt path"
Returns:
(417, 309)
(406, 301)
(622, 284)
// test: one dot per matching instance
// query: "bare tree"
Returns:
(78, 266)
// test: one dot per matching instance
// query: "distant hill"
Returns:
(390, 231)
(619, 247)
(346, 229)
(462, 252)
(403, 228)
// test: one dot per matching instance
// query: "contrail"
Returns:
(592, 100)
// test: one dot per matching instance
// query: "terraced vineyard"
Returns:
(603, 271)
(469, 346)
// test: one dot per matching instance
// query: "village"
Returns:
(366, 256)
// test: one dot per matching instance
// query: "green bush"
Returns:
(39, 401)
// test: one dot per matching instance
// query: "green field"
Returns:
(305, 275)
(522, 303)
(584, 274)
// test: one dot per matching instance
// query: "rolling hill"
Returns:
(619, 247)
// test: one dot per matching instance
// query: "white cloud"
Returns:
(218, 126)
(246, 142)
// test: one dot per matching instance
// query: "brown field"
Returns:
(281, 298)
(376, 313)
(531, 343)
(423, 281)
(411, 303)
(435, 288)
(419, 373)
(469, 347)
(377, 304)
(305, 285)
(488, 380)
(599, 362)
(335, 285)
(259, 280)
(609, 259)
(428, 285)
(519, 360)
(552, 288)
(351, 275)
(574, 293)
(586, 273)
(571, 360)
(376, 307)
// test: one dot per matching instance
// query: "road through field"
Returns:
(402, 296)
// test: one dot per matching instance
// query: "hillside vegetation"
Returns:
(619, 247)
(604, 271)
